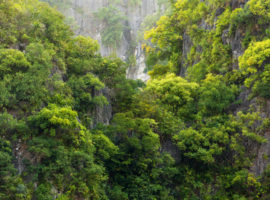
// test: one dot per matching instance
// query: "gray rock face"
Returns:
(103, 114)
(262, 159)
(187, 45)
(262, 151)
(83, 13)
(263, 156)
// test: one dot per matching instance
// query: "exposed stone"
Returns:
(89, 26)
(83, 13)
(103, 114)
(262, 159)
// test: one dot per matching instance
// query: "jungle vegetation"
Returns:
(187, 133)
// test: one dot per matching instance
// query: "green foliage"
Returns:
(11, 185)
(254, 56)
(196, 40)
(117, 193)
(50, 84)
(81, 53)
(43, 192)
(84, 92)
(215, 97)
(262, 87)
(105, 149)
(12, 61)
(198, 144)
(112, 20)
(136, 169)
(124, 93)
(71, 171)
(189, 137)
(260, 8)
(253, 64)
(59, 122)
(111, 71)
(174, 92)
(265, 183)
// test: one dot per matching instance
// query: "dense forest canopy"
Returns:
(192, 132)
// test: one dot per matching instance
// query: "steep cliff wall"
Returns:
(234, 42)
(88, 25)
(83, 13)
(199, 136)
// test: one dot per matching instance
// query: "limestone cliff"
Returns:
(83, 13)
(234, 41)
(88, 25)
